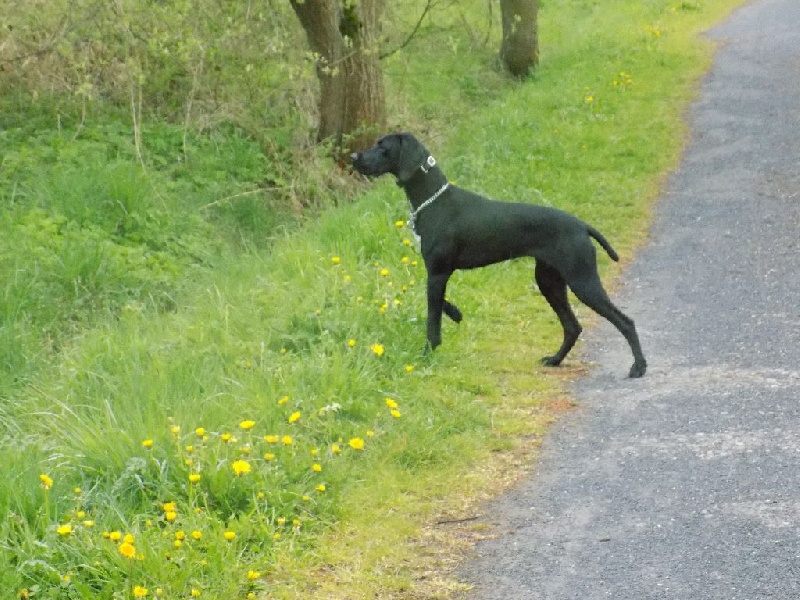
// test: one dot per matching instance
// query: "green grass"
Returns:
(140, 305)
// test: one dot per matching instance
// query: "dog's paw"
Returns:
(550, 361)
(427, 353)
(637, 370)
(453, 312)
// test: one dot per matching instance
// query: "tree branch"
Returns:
(428, 7)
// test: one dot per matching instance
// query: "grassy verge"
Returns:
(254, 422)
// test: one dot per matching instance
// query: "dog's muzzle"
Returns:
(357, 160)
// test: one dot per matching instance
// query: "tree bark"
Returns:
(520, 48)
(343, 35)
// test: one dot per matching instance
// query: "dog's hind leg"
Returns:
(554, 290)
(589, 290)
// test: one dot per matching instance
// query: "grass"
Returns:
(256, 416)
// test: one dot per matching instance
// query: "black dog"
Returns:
(462, 230)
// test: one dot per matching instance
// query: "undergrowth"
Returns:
(211, 371)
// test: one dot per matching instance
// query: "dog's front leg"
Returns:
(451, 310)
(437, 284)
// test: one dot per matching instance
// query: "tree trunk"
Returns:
(520, 48)
(343, 35)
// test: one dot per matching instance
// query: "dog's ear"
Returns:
(410, 155)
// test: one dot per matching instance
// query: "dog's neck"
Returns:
(426, 180)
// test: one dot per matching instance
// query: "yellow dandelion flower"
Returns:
(391, 403)
(316, 467)
(287, 440)
(197, 535)
(169, 507)
(281, 521)
(177, 544)
(46, 481)
(65, 529)
(245, 449)
(406, 242)
(253, 575)
(240, 467)
(229, 535)
(148, 443)
(384, 272)
(395, 413)
(170, 515)
(115, 536)
(247, 425)
(175, 430)
(226, 437)
(189, 449)
(139, 591)
(269, 456)
(356, 443)
(194, 477)
(127, 550)
(88, 524)
(405, 260)
(370, 433)
(283, 400)
(272, 439)
(378, 349)
(409, 368)
(195, 593)
(276, 536)
(335, 449)
(200, 432)
(336, 260)
(77, 491)
(180, 535)
(128, 539)
(321, 487)
(351, 342)
(294, 417)
(80, 514)
(306, 498)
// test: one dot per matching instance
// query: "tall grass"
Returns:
(189, 410)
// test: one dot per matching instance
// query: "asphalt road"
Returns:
(686, 484)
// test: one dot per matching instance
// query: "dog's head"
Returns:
(400, 154)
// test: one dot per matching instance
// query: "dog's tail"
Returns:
(603, 242)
